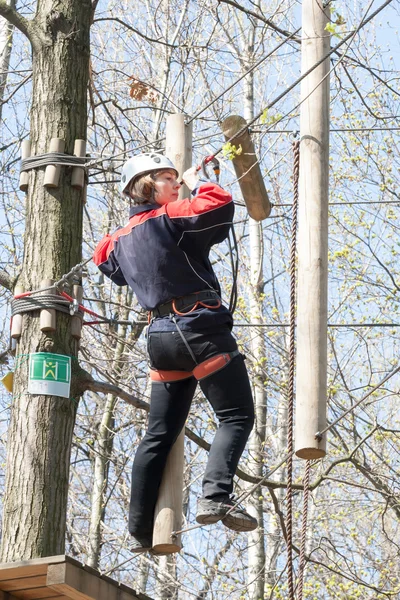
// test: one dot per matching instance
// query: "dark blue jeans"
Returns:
(229, 394)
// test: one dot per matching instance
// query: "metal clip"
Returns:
(215, 165)
(74, 307)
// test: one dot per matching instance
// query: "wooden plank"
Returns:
(24, 583)
(6, 596)
(79, 584)
(43, 593)
(28, 568)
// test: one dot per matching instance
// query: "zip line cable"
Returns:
(343, 56)
(362, 24)
(255, 66)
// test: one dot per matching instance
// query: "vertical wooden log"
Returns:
(178, 146)
(76, 322)
(47, 316)
(52, 172)
(247, 168)
(313, 236)
(168, 512)
(24, 176)
(78, 173)
(16, 323)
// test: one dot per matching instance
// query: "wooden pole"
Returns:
(78, 173)
(52, 172)
(24, 176)
(311, 362)
(47, 315)
(247, 168)
(178, 146)
(16, 322)
(168, 512)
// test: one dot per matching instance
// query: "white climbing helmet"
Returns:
(143, 163)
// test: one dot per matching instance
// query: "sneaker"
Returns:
(139, 545)
(211, 511)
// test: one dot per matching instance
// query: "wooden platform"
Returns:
(59, 578)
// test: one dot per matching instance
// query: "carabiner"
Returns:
(215, 165)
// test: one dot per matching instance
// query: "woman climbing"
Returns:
(163, 255)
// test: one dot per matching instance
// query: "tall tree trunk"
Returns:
(6, 35)
(40, 432)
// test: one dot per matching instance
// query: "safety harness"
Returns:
(183, 306)
(201, 371)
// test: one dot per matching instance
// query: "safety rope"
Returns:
(289, 491)
(302, 555)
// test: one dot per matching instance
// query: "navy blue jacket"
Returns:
(163, 253)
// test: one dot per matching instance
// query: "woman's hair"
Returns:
(141, 189)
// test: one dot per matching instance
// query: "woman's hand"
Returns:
(190, 177)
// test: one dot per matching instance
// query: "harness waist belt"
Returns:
(185, 303)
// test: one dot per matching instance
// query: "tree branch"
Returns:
(5, 279)
(142, 35)
(256, 15)
(13, 16)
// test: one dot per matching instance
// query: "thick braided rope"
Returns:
(289, 494)
(302, 556)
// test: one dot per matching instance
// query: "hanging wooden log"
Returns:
(247, 168)
(24, 175)
(312, 291)
(52, 172)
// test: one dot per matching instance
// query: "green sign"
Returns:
(49, 374)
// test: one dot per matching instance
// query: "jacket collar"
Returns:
(139, 208)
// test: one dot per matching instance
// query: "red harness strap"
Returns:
(168, 376)
(203, 370)
(212, 365)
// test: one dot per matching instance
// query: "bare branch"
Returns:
(6, 280)
(142, 35)
(268, 22)
(13, 16)
(90, 384)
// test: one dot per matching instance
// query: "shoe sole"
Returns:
(239, 525)
(208, 519)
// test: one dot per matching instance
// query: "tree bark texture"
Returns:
(40, 432)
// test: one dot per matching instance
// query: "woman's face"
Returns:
(166, 187)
